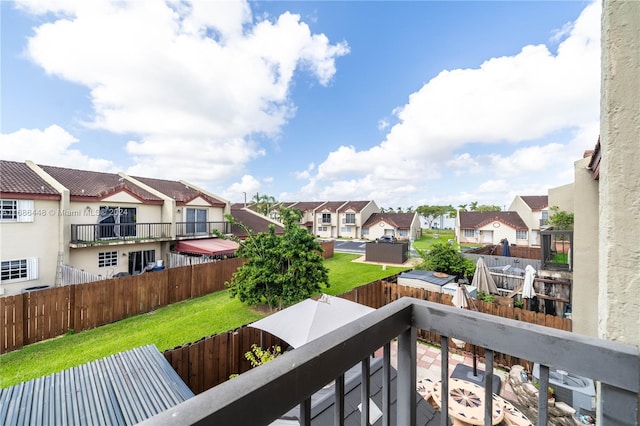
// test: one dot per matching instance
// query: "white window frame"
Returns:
(27, 267)
(20, 211)
(107, 259)
(519, 235)
(322, 229)
(350, 218)
(468, 233)
(403, 232)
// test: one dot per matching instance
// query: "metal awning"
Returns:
(208, 246)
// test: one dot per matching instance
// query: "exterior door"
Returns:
(487, 237)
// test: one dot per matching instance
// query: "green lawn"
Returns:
(433, 236)
(166, 327)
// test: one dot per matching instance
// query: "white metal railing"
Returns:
(263, 394)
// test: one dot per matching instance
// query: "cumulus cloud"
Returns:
(51, 146)
(193, 82)
(247, 186)
(504, 107)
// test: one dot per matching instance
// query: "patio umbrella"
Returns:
(505, 248)
(310, 319)
(482, 279)
(527, 288)
(459, 301)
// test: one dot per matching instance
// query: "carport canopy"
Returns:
(209, 246)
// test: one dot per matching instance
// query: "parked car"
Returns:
(387, 239)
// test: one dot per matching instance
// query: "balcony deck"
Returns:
(262, 395)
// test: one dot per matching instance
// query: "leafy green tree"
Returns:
(488, 208)
(561, 220)
(446, 258)
(264, 204)
(280, 270)
(431, 213)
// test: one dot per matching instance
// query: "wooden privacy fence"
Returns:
(39, 315)
(211, 360)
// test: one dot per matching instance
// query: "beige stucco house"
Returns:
(534, 212)
(491, 228)
(403, 226)
(104, 224)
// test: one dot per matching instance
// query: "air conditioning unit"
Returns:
(576, 391)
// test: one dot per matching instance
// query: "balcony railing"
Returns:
(201, 229)
(263, 394)
(104, 233)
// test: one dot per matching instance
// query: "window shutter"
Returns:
(25, 210)
(32, 268)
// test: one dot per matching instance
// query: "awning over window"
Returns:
(209, 246)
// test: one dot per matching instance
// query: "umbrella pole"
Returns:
(471, 303)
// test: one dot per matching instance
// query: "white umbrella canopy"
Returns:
(310, 319)
(459, 301)
(482, 279)
(527, 288)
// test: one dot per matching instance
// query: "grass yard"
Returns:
(433, 236)
(166, 327)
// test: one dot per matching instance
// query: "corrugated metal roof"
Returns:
(122, 389)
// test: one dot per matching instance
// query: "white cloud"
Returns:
(247, 186)
(506, 101)
(51, 146)
(192, 81)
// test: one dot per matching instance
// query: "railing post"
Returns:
(444, 380)
(406, 405)
(338, 416)
(386, 385)
(617, 406)
(305, 412)
(365, 386)
(543, 397)
(488, 387)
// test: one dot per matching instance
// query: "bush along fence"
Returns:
(210, 361)
(36, 316)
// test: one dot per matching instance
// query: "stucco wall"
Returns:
(87, 258)
(619, 256)
(561, 196)
(39, 239)
(585, 254)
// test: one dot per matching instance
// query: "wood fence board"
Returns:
(223, 344)
(208, 372)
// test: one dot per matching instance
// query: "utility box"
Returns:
(394, 253)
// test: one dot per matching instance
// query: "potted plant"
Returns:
(550, 390)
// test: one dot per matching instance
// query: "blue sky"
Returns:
(405, 103)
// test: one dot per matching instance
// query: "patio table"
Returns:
(466, 403)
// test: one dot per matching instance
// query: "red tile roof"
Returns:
(306, 206)
(331, 206)
(474, 220)
(17, 180)
(180, 192)
(536, 202)
(356, 206)
(84, 184)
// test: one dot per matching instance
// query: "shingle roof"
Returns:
(178, 191)
(356, 206)
(252, 221)
(331, 206)
(99, 185)
(18, 178)
(122, 389)
(399, 220)
(474, 220)
(536, 202)
(306, 206)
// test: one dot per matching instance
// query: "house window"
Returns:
(196, 221)
(350, 218)
(107, 258)
(345, 229)
(365, 232)
(17, 211)
(469, 233)
(522, 235)
(326, 217)
(139, 260)
(403, 232)
(19, 270)
(322, 229)
(116, 222)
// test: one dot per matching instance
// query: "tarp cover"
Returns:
(209, 246)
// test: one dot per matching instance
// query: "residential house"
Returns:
(534, 211)
(32, 226)
(403, 226)
(308, 209)
(352, 216)
(105, 224)
(491, 228)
